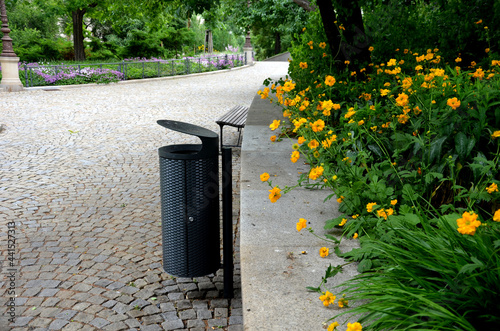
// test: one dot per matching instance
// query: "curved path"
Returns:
(79, 178)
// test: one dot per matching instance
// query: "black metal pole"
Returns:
(227, 220)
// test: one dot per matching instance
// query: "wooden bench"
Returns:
(235, 117)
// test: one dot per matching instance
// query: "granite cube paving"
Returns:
(80, 181)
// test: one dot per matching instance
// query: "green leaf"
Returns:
(314, 289)
(375, 149)
(461, 143)
(364, 265)
(435, 149)
(332, 238)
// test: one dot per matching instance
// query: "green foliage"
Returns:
(430, 276)
(447, 25)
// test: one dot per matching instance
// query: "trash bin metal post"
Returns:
(227, 221)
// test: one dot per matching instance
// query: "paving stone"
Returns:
(48, 292)
(152, 309)
(109, 303)
(115, 285)
(116, 326)
(235, 328)
(83, 317)
(50, 302)
(183, 304)
(139, 303)
(73, 326)
(152, 319)
(167, 306)
(187, 314)
(66, 314)
(81, 306)
(132, 323)
(129, 290)
(219, 303)
(121, 308)
(195, 324)
(152, 327)
(173, 324)
(220, 312)
(40, 322)
(58, 324)
(99, 322)
(175, 296)
(204, 314)
(216, 323)
(49, 312)
(186, 287)
(125, 299)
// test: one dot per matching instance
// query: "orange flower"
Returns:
(313, 144)
(329, 80)
(453, 103)
(496, 217)
(301, 140)
(264, 177)
(274, 125)
(274, 194)
(301, 224)
(492, 188)
(402, 99)
(272, 138)
(295, 156)
(303, 65)
(324, 251)
(316, 172)
(468, 223)
(318, 126)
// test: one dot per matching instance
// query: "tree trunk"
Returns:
(277, 43)
(78, 34)
(328, 17)
(354, 44)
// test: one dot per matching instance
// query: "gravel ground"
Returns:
(79, 178)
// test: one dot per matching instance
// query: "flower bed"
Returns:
(409, 148)
(40, 74)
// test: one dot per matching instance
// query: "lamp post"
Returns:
(8, 59)
(247, 47)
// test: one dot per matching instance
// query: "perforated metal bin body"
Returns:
(189, 182)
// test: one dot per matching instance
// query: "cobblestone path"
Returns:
(79, 190)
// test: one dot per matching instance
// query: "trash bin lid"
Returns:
(188, 128)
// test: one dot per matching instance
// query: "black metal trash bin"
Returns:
(189, 181)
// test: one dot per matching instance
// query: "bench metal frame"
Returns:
(235, 117)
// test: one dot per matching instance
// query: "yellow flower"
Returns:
(371, 48)
(478, 74)
(369, 207)
(289, 86)
(343, 302)
(316, 172)
(394, 202)
(349, 113)
(272, 138)
(322, 45)
(402, 99)
(313, 144)
(354, 327)
(391, 63)
(468, 223)
(327, 297)
(418, 68)
(310, 44)
(355, 216)
(318, 126)
(344, 221)
(347, 62)
(355, 236)
(264, 94)
(496, 134)
(275, 124)
(487, 50)
(383, 92)
(339, 200)
(361, 122)
(382, 213)
(316, 155)
(332, 326)
(453, 103)
(303, 65)
(295, 147)
(275, 194)
(492, 188)
(295, 156)
(301, 140)
(323, 252)
(496, 217)
(301, 224)
(329, 80)
(264, 177)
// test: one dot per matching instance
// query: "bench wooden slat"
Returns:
(236, 117)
